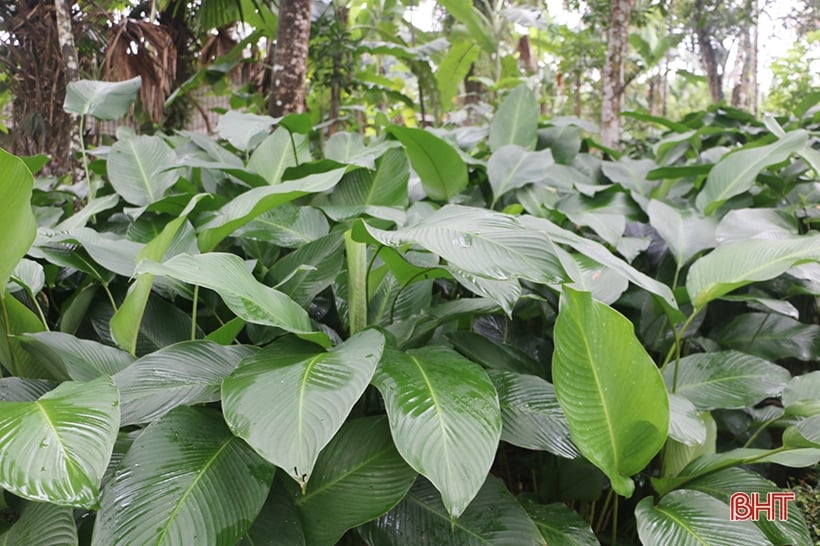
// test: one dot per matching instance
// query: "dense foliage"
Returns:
(489, 335)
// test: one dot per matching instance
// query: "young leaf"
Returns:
(494, 518)
(444, 417)
(609, 388)
(516, 120)
(360, 458)
(442, 171)
(291, 390)
(56, 449)
(251, 300)
(186, 480)
(103, 100)
(19, 226)
(734, 265)
(736, 172)
(692, 518)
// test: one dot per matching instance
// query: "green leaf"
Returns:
(103, 100)
(531, 414)
(736, 172)
(186, 480)
(477, 25)
(42, 524)
(243, 130)
(56, 449)
(19, 226)
(278, 522)
(692, 518)
(772, 337)
(721, 485)
(493, 355)
(737, 264)
(252, 203)
(358, 477)
(684, 231)
(516, 120)
(444, 417)
(289, 390)
(276, 153)
(609, 388)
(453, 69)
(481, 242)
(511, 167)
(68, 357)
(727, 379)
(16, 318)
(15, 389)
(305, 272)
(249, 299)
(442, 171)
(287, 226)
(686, 425)
(564, 142)
(800, 395)
(560, 525)
(186, 373)
(138, 169)
(494, 518)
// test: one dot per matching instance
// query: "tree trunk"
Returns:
(65, 37)
(290, 57)
(707, 53)
(613, 78)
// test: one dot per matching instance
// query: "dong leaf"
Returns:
(511, 167)
(516, 120)
(103, 100)
(68, 357)
(684, 232)
(442, 171)
(185, 480)
(559, 524)
(55, 449)
(19, 226)
(692, 518)
(276, 153)
(294, 390)
(138, 169)
(494, 518)
(734, 265)
(360, 458)
(42, 524)
(736, 172)
(609, 388)
(251, 300)
(444, 417)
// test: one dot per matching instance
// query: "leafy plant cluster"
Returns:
(484, 336)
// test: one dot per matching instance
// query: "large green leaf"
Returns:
(564, 141)
(358, 477)
(516, 120)
(692, 518)
(477, 24)
(186, 373)
(278, 522)
(69, 357)
(442, 171)
(186, 480)
(251, 300)
(727, 379)
(478, 241)
(16, 318)
(103, 100)
(560, 525)
(609, 388)
(287, 226)
(453, 69)
(512, 166)
(138, 169)
(721, 485)
(531, 414)
(773, 337)
(277, 152)
(444, 417)
(244, 130)
(494, 518)
(307, 271)
(737, 264)
(56, 449)
(289, 390)
(684, 231)
(800, 395)
(42, 524)
(19, 226)
(736, 172)
(252, 203)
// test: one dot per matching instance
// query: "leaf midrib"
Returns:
(682, 524)
(138, 161)
(301, 403)
(438, 411)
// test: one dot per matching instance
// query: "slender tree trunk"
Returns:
(65, 36)
(613, 78)
(707, 53)
(290, 57)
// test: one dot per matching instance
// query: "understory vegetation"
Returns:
(495, 334)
